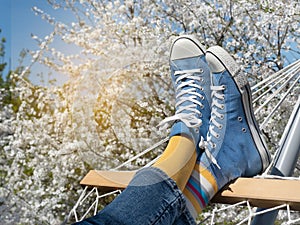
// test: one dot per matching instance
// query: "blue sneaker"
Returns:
(234, 146)
(191, 79)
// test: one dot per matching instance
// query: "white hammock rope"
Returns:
(290, 74)
(267, 90)
(84, 196)
(279, 103)
(270, 79)
(252, 212)
(142, 153)
(287, 81)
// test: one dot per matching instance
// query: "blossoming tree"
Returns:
(118, 89)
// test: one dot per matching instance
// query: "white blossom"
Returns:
(119, 90)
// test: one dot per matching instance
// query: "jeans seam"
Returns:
(170, 205)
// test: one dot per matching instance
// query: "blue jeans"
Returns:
(151, 198)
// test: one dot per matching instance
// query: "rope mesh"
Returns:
(242, 212)
(287, 218)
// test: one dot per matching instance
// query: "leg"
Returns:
(154, 195)
(182, 152)
(234, 146)
(191, 78)
(151, 198)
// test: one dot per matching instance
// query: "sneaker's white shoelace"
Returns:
(186, 92)
(217, 95)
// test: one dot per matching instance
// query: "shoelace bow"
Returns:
(186, 92)
(217, 95)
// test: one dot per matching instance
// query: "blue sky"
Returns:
(18, 22)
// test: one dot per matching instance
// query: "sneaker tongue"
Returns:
(185, 64)
(216, 79)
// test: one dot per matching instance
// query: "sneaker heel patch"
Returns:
(241, 80)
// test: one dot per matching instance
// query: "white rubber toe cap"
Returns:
(214, 64)
(186, 47)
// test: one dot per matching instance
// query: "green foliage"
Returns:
(8, 81)
(2, 63)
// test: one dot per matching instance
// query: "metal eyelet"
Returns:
(240, 119)
(222, 117)
(218, 136)
(220, 126)
(244, 129)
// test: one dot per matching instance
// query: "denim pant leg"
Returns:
(151, 198)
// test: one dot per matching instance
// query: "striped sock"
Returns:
(178, 159)
(199, 190)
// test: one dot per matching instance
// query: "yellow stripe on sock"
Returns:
(178, 160)
(175, 143)
(200, 188)
(208, 176)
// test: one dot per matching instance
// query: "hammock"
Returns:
(266, 191)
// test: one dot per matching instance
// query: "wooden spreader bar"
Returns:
(263, 193)
(108, 180)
